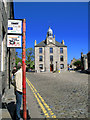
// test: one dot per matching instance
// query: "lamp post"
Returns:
(56, 65)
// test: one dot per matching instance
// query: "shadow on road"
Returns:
(28, 116)
(82, 72)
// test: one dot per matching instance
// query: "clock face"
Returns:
(50, 40)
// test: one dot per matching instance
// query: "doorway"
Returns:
(51, 67)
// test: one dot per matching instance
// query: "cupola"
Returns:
(50, 33)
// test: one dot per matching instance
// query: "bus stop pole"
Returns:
(24, 70)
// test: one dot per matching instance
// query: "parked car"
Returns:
(29, 70)
(88, 71)
(71, 69)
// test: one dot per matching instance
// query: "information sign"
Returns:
(14, 41)
(15, 26)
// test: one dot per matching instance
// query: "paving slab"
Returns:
(9, 105)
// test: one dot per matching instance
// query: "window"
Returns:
(61, 50)
(40, 50)
(50, 34)
(41, 66)
(40, 58)
(61, 66)
(51, 58)
(51, 50)
(61, 58)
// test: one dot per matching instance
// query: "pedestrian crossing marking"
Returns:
(42, 102)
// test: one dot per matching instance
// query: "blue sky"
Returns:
(68, 20)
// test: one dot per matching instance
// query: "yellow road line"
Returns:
(50, 111)
(41, 105)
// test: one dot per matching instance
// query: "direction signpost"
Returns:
(16, 32)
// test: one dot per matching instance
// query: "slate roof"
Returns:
(43, 44)
(58, 44)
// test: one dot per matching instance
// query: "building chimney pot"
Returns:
(35, 43)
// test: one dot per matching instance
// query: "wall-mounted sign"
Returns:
(15, 26)
(14, 41)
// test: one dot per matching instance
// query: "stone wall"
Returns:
(3, 49)
(5, 13)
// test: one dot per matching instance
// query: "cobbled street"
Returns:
(66, 93)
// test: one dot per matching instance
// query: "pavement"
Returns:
(9, 104)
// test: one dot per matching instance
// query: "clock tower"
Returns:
(49, 38)
(50, 55)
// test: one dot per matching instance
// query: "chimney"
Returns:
(63, 42)
(35, 43)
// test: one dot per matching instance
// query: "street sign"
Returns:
(15, 26)
(14, 41)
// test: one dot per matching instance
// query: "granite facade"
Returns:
(6, 12)
(48, 65)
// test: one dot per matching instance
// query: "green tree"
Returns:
(77, 64)
(30, 57)
(17, 59)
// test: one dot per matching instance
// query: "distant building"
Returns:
(88, 56)
(84, 62)
(50, 55)
(72, 63)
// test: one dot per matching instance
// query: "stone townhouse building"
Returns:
(50, 55)
(7, 55)
(84, 61)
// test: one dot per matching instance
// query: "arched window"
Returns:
(61, 66)
(41, 66)
(50, 34)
